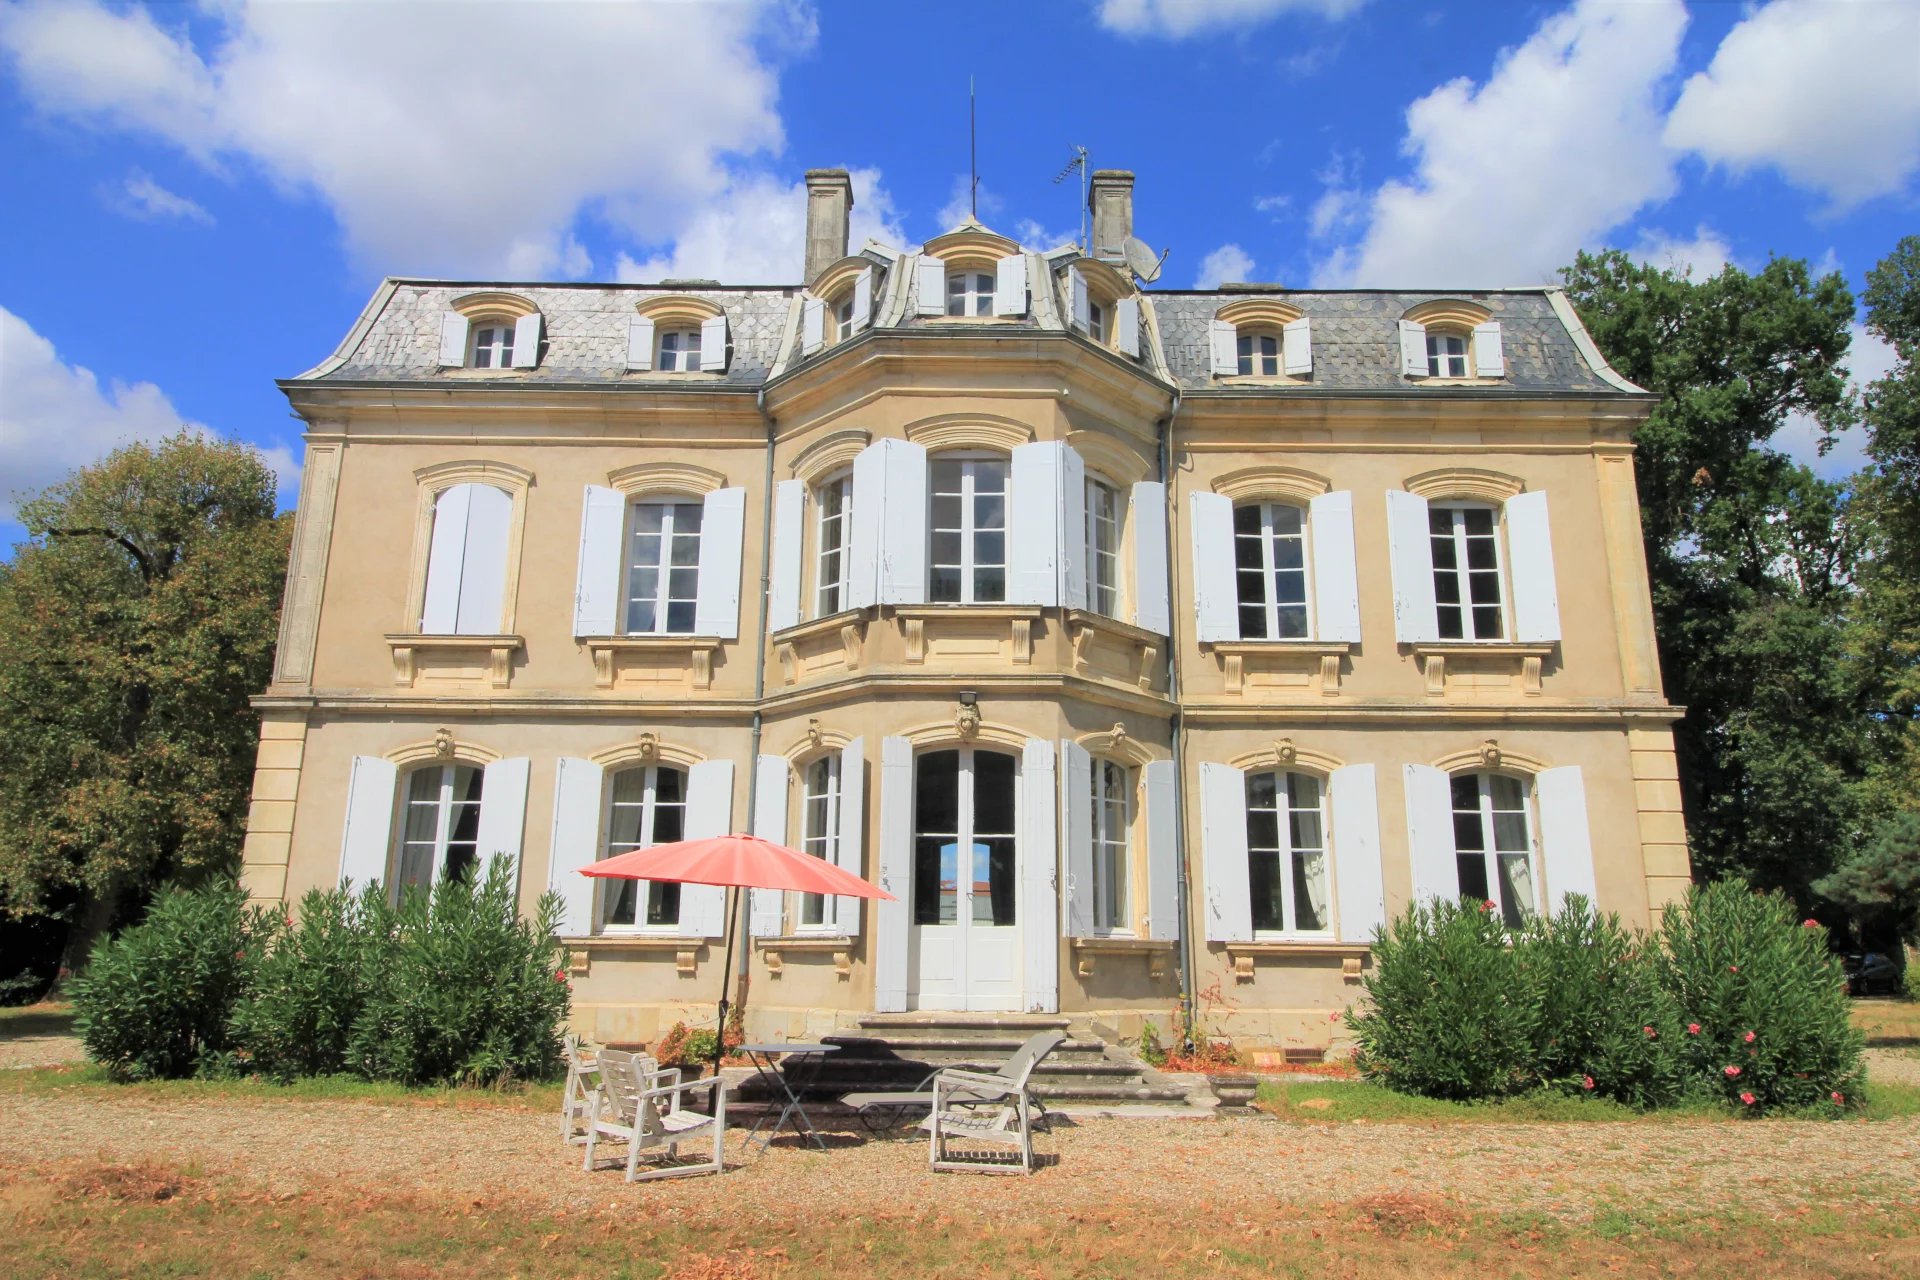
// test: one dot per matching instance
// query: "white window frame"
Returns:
(974, 295)
(1269, 603)
(1489, 854)
(970, 566)
(682, 356)
(1442, 357)
(1250, 357)
(1112, 847)
(1098, 313)
(830, 584)
(499, 350)
(644, 890)
(444, 804)
(843, 317)
(1462, 576)
(1103, 547)
(1287, 852)
(823, 803)
(663, 567)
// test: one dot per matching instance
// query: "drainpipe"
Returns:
(1183, 951)
(742, 916)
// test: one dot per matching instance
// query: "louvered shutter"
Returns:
(862, 300)
(1223, 348)
(576, 841)
(446, 558)
(930, 275)
(1073, 529)
(453, 340)
(1126, 327)
(483, 562)
(1038, 907)
(903, 533)
(713, 344)
(1010, 286)
(1033, 524)
(1080, 306)
(784, 582)
(503, 812)
(1336, 580)
(769, 823)
(366, 839)
(1158, 782)
(1413, 349)
(813, 325)
(1415, 618)
(639, 344)
(1147, 515)
(1296, 347)
(526, 341)
(1359, 893)
(703, 907)
(849, 851)
(1488, 359)
(1536, 593)
(1436, 868)
(1216, 601)
(597, 587)
(1223, 839)
(716, 610)
(1076, 827)
(865, 524)
(896, 876)
(1566, 841)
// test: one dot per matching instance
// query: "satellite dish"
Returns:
(1142, 260)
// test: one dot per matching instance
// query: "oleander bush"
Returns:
(312, 985)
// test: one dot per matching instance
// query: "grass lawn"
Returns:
(1889, 1024)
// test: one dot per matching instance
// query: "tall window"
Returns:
(1259, 354)
(1446, 355)
(843, 318)
(648, 806)
(970, 293)
(834, 503)
(1493, 842)
(1270, 563)
(820, 810)
(1096, 321)
(1112, 806)
(1103, 547)
(1287, 853)
(969, 561)
(964, 870)
(679, 351)
(492, 345)
(1466, 572)
(440, 832)
(663, 568)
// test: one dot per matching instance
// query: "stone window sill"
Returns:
(1352, 955)
(580, 951)
(1239, 657)
(1156, 950)
(1434, 657)
(410, 651)
(608, 650)
(775, 950)
(1019, 618)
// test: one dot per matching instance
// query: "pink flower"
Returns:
(1809, 923)
(1487, 906)
(1837, 1097)
(1732, 1072)
(1586, 1082)
(1693, 1028)
(1750, 1037)
(559, 975)
(1733, 968)
(1748, 1098)
(1651, 1033)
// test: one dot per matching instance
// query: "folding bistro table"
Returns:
(765, 1059)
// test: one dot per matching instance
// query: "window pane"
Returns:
(1516, 888)
(680, 618)
(944, 585)
(1508, 792)
(1293, 622)
(686, 549)
(1468, 835)
(1451, 626)
(989, 586)
(663, 903)
(647, 517)
(1253, 620)
(1263, 829)
(1290, 586)
(1310, 891)
(1262, 789)
(1473, 877)
(990, 548)
(1263, 886)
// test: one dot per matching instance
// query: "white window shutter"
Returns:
(813, 325)
(1436, 868)
(639, 344)
(896, 876)
(1488, 359)
(930, 276)
(784, 586)
(1126, 327)
(576, 841)
(1076, 829)
(526, 341)
(1080, 306)
(483, 565)
(1010, 286)
(849, 851)
(1147, 516)
(1413, 349)
(716, 609)
(1415, 618)
(1033, 524)
(1336, 580)
(1296, 347)
(713, 344)
(903, 533)
(862, 300)
(770, 774)
(446, 557)
(865, 526)
(1223, 839)
(1073, 528)
(1038, 904)
(1157, 781)
(1536, 593)
(1216, 601)
(703, 907)
(1359, 894)
(1223, 348)
(367, 837)
(503, 812)
(1566, 841)
(597, 588)
(453, 340)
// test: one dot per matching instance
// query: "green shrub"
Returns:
(310, 988)
(1761, 999)
(155, 1001)
(466, 992)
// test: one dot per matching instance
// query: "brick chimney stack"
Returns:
(1110, 197)
(829, 211)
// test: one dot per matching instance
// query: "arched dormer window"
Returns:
(678, 333)
(1103, 306)
(1261, 338)
(971, 273)
(1451, 340)
(490, 331)
(839, 304)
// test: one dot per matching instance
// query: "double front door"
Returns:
(965, 944)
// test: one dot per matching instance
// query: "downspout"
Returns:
(742, 914)
(1183, 951)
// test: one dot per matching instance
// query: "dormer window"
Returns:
(1259, 354)
(490, 331)
(969, 293)
(1096, 321)
(843, 318)
(679, 351)
(675, 333)
(1446, 355)
(492, 345)
(1451, 340)
(1260, 338)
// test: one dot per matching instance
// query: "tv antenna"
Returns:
(1079, 162)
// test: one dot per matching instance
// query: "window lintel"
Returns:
(676, 310)
(1287, 757)
(1254, 313)
(488, 303)
(1490, 757)
(1272, 484)
(1448, 313)
(442, 476)
(836, 278)
(969, 430)
(443, 748)
(647, 749)
(666, 480)
(830, 453)
(1472, 484)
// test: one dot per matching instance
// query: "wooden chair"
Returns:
(994, 1109)
(636, 1103)
(583, 1076)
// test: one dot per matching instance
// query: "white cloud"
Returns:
(142, 198)
(960, 203)
(755, 232)
(457, 138)
(1868, 360)
(1341, 203)
(1560, 144)
(1177, 19)
(1827, 93)
(1705, 255)
(1227, 263)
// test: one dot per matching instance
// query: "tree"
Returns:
(1880, 883)
(134, 626)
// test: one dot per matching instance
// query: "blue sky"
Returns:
(199, 199)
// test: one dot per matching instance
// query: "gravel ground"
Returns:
(1893, 1066)
(1570, 1171)
(38, 1051)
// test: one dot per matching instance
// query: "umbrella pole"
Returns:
(726, 976)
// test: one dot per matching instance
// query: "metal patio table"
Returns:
(765, 1059)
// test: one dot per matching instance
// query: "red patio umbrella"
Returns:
(734, 862)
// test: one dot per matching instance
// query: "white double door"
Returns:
(964, 947)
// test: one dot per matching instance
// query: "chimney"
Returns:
(829, 204)
(1110, 197)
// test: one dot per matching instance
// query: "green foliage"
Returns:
(1151, 1050)
(683, 1046)
(154, 1002)
(311, 987)
(1880, 883)
(1762, 1000)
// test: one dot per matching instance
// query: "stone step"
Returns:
(1112, 1093)
(953, 1025)
(978, 1048)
